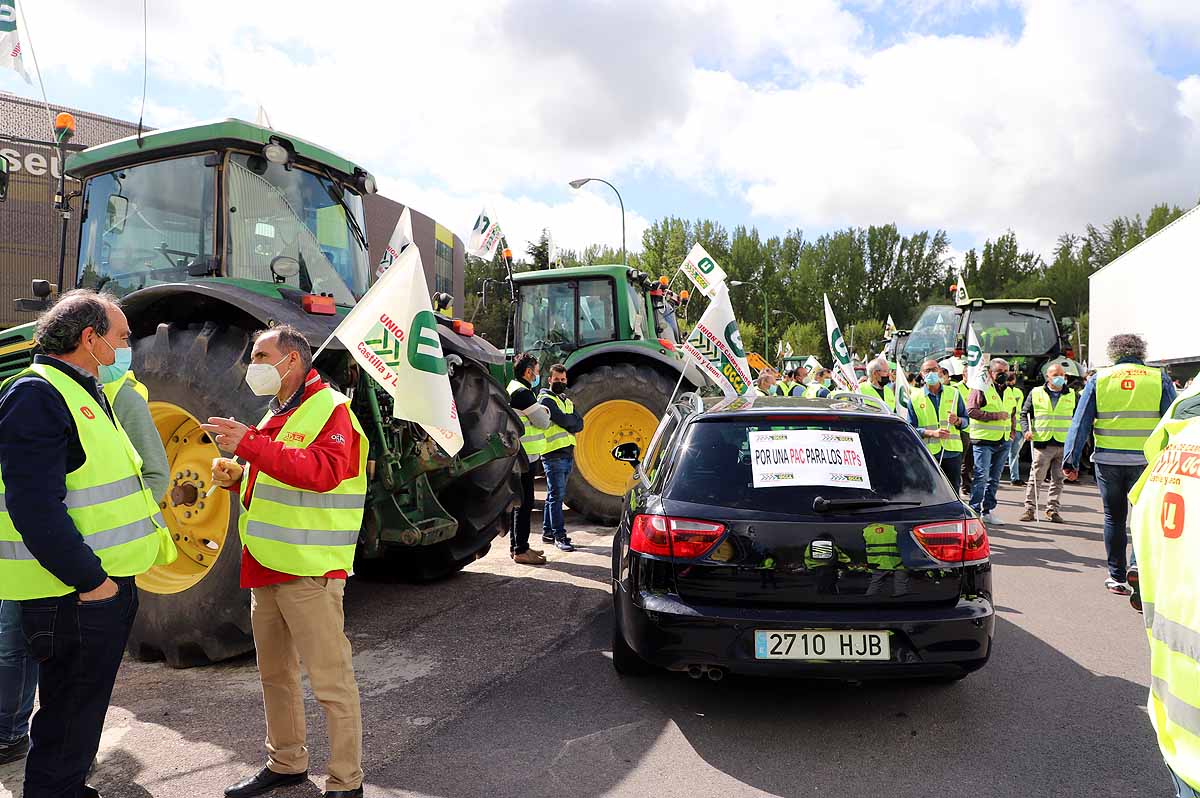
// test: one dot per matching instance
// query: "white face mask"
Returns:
(263, 379)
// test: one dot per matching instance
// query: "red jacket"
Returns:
(321, 466)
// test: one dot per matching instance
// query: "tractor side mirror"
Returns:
(116, 212)
(4, 167)
(628, 452)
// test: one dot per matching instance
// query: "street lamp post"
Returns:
(581, 182)
(766, 335)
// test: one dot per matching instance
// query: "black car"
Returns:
(878, 571)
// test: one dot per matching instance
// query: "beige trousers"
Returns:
(303, 620)
(1049, 459)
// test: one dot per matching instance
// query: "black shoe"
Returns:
(264, 781)
(1018, 482)
(548, 538)
(1135, 598)
(344, 793)
(88, 791)
(11, 752)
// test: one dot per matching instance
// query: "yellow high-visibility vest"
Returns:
(302, 532)
(1166, 538)
(106, 499)
(557, 437)
(1051, 422)
(1128, 399)
(533, 439)
(931, 418)
(991, 430)
(888, 397)
(111, 389)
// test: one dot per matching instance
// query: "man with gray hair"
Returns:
(1119, 407)
(991, 429)
(879, 378)
(77, 526)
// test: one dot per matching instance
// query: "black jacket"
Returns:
(39, 445)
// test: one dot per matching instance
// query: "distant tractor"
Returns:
(1025, 332)
(615, 330)
(208, 234)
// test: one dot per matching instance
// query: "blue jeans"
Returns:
(1014, 456)
(18, 675)
(989, 462)
(952, 467)
(1182, 788)
(1115, 482)
(557, 470)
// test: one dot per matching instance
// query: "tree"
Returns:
(488, 301)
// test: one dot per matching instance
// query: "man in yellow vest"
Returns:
(821, 385)
(1045, 420)
(76, 526)
(18, 670)
(303, 493)
(878, 384)
(1165, 523)
(1014, 398)
(558, 457)
(535, 417)
(1118, 407)
(991, 429)
(939, 414)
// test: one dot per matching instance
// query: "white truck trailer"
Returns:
(1152, 290)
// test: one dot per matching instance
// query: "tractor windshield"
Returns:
(276, 212)
(932, 336)
(1025, 330)
(154, 223)
(147, 224)
(566, 314)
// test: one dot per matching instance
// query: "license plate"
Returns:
(841, 645)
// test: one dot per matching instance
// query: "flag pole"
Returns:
(38, 70)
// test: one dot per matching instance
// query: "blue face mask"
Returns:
(933, 378)
(1058, 382)
(536, 381)
(827, 383)
(124, 359)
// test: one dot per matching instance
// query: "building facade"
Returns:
(30, 227)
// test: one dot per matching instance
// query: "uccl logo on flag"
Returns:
(839, 347)
(386, 342)
(974, 355)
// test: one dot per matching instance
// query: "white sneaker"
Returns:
(1120, 588)
(991, 520)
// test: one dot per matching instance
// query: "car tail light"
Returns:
(681, 538)
(954, 541)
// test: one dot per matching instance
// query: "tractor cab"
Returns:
(1025, 332)
(225, 200)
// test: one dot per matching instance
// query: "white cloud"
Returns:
(785, 105)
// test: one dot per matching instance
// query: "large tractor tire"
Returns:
(479, 500)
(193, 611)
(619, 403)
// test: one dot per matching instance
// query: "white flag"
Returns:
(551, 250)
(716, 347)
(402, 236)
(485, 237)
(961, 297)
(812, 364)
(838, 348)
(10, 39)
(703, 271)
(393, 335)
(889, 329)
(976, 367)
(903, 392)
(261, 119)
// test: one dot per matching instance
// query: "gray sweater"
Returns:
(134, 414)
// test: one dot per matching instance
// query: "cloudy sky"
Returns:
(970, 115)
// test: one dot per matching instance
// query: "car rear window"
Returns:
(713, 466)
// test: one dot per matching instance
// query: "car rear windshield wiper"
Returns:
(823, 505)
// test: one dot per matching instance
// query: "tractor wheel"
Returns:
(478, 500)
(618, 403)
(192, 611)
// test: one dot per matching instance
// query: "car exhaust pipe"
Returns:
(715, 674)
(695, 671)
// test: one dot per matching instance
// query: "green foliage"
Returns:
(485, 280)
(866, 337)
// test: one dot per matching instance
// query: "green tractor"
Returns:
(615, 329)
(208, 234)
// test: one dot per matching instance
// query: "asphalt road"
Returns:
(498, 683)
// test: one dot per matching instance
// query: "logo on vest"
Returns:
(87, 412)
(1171, 515)
(338, 438)
(294, 437)
(1127, 385)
